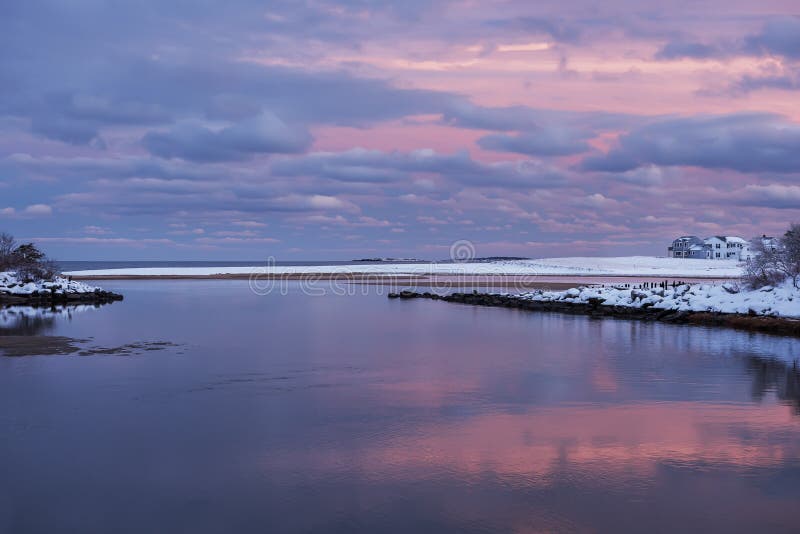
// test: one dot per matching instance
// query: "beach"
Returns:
(632, 266)
(510, 275)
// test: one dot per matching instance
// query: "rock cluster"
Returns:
(49, 292)
(594, 307)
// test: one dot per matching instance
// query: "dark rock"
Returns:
(594, 302)
(49, 298)
(771, 325)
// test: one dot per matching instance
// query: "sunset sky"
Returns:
(324, 129)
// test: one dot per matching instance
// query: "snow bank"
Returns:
(634, 266)
(10, 285)
(623, 266)
(779, 301)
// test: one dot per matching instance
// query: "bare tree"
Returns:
(7, 246)
(25, 259)
(771, 265)
(789, 254)
(760, 270)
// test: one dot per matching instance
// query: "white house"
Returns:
(716, 247)
(771, 244)
(720, 247)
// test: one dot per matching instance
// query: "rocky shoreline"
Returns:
(594, 308)
(58, 291)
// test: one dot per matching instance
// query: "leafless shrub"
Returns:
(772, 265)
(48, 269)
(30, 263)
(789, 261)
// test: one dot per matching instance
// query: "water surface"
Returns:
(356, 413)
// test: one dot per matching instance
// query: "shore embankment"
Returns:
(14, 291)
(596, 306)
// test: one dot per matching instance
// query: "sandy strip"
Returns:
(248, 276)
(511, 282)
(15, 346)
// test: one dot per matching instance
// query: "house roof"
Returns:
(728, 239)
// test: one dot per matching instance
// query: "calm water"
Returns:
(297, 413)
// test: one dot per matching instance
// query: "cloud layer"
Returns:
(333, 129)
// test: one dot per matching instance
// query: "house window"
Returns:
(717, 253)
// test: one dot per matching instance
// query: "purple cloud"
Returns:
(746, 142)
(263, 134)
(551, 142)
(779, 37)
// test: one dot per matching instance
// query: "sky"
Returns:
(320, 129)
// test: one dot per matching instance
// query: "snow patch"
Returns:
(779, 301)
(11, 285)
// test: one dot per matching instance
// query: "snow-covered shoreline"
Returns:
(643, 266)
(771, 310)
(59, 289)
(728, 298)
(11, 285)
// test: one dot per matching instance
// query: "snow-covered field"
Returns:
(623, 266)
(9, 284)
(779, 301)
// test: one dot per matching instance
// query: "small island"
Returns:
(29, 277)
